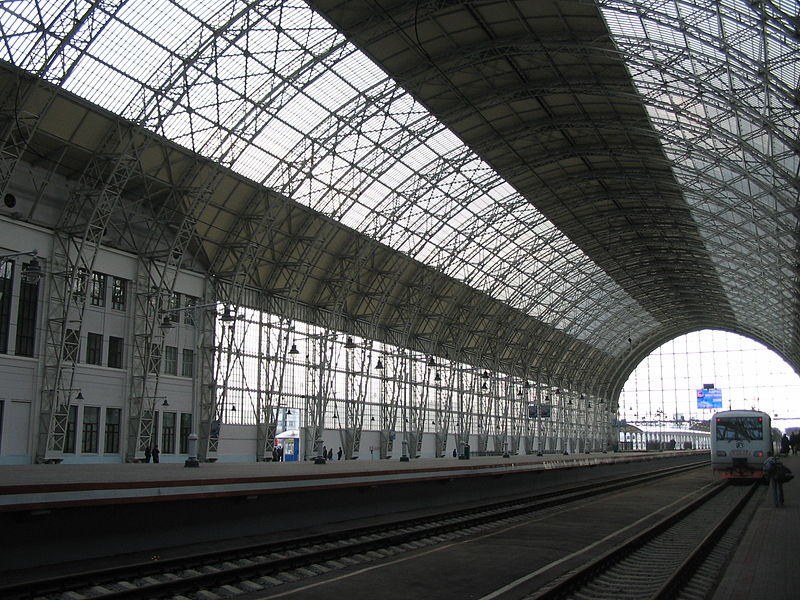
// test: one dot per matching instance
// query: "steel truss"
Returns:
(551, 245)
(351, 384)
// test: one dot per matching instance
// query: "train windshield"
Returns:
(740, 428)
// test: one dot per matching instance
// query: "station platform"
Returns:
(764, 565)
(106, 507)
(105, 510)
(45, 487)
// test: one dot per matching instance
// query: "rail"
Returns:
(185, 574)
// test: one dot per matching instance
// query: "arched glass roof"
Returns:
(725, 104)
(276, 93)
(553, 196)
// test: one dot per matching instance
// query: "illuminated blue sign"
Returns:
(709, 398)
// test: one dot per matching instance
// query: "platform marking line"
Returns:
(496, 593)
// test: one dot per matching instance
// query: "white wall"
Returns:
(237, 443)
(15, 443)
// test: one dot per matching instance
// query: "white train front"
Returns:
(741, 440)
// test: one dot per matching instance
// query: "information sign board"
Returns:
(709, 398)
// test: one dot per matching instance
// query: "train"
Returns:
(741, 440)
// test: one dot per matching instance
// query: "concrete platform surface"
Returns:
(32, 487)
(764, 567)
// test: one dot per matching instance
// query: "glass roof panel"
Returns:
(280, 96)
(724, 123)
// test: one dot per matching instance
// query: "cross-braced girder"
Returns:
(559, 176)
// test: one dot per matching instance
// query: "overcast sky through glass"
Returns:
(749, 375)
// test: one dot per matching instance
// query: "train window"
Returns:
(740, 428)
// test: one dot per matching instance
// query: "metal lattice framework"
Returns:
(547, 189)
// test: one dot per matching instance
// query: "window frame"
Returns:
(98, 289)
(112, 431)
(115, 356)
(187, 363)
(94, 348)
(170, 360)
(90, 430)
(119, 294)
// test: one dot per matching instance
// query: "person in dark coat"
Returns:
(155, 454)
(339, 453)
(773, 470)
(785, 444)
(147, 454)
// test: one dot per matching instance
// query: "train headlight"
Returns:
(721, 453)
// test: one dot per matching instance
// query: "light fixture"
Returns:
(165, 403)
(233, 408)
(349, 344)
(288, 412)
(379, 364)
(294, 350)
(483, 385)
(431, 362)
(32, 272)
(227, 316)
(485, 374)
(79, 396)
(437, 377)
(166, 323)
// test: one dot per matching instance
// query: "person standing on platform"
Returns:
(785, 445)
(778, 474)
(339, 453)
(147, 454)
(330, 453)
(155, 454)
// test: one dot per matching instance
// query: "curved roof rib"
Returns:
(635, 127)
(581, 179)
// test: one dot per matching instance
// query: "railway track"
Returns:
(254, 568)
(660, 562)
